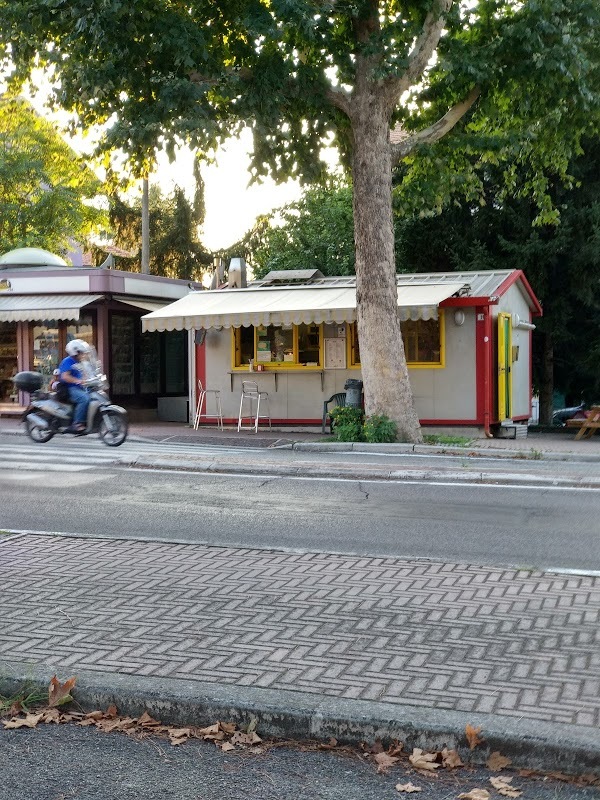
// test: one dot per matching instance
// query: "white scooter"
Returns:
(46, 415)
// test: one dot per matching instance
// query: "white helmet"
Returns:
(77, 346)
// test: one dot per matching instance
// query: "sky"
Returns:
(232, 205)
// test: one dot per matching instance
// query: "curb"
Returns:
(339, 472)
(300, 716)
(430, 449)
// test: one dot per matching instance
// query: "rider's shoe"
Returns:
(77, 429)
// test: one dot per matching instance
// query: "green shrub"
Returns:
(347, 423)
(379, 428)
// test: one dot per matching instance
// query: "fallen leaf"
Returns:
(178, 735)
(421, 760)
(475, 794)
(497, 761)
(395, 748)
(60, 693)
(94, 715)
(225, 746)
(451, 759)
(409, 788)
(247, 739)
(230, 727)
(502, 785)
(385, 761)
(472, 735)
(51, 715)
(331, 744)
(146, 721)
(118, 724)
(111, 711)
(212, 732)
(28, 721)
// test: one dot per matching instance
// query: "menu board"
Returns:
(123, 354)
(175, 362)
(150, 363)
(335, 354)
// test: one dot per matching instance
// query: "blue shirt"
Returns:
(72, 366)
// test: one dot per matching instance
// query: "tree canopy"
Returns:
(45, 189)
(427, 82)
(175, 250)
(314, 231)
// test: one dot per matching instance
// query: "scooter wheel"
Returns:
(113, 429)
(38, 434)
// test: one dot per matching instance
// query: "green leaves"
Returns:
(45, 189)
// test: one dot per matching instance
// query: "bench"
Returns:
(588, 426)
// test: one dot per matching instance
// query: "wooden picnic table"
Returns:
(588, 426)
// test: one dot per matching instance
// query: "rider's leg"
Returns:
(81, 399)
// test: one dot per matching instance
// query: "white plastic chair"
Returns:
(251, 393)
(202, 397)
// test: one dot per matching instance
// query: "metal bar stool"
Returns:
(250, 392)
(202, 396)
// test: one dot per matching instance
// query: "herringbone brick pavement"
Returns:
(449, 636)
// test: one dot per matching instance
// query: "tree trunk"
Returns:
(383, 362)
(547, 381)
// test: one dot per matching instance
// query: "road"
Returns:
(480, 524)
(39, 765)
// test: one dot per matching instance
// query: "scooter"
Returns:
(561, 416)
(48, 415)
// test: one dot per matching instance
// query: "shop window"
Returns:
(423, 342)
(8, 360)
(273, 346)
(47, 350)
(82, 329)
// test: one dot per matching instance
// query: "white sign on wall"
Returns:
(335, 354)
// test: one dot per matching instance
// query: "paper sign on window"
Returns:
(335, 354)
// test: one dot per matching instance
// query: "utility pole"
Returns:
(145, 228)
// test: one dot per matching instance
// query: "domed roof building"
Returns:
(45, 302)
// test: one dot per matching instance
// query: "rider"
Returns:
(72, 375)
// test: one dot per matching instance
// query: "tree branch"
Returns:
(421, 53)
(436, 131)
(339, 99)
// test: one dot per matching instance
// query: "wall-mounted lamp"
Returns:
(459, 317)
(517, 322)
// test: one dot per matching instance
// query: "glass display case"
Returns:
(123, 327)
(8, 360)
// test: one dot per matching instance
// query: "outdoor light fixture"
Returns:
(459, 317)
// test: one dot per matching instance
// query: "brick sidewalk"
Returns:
(443, 636)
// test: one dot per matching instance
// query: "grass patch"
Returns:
(456, 441)
(22, 700)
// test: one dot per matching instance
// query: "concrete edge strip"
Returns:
(484, 452)
(13, 534)
(360, 447)
(283, 714)
(352, 473)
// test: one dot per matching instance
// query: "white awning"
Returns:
(227, 308)
(146, 305)
(34, 307)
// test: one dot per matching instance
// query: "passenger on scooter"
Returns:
(72, 375)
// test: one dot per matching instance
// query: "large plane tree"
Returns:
(511, 80)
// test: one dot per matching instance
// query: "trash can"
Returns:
(353, 389)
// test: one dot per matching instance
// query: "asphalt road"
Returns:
(71, 763)
(479, 524)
